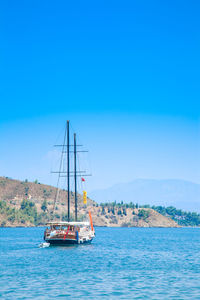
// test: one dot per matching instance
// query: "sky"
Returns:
(126, 75)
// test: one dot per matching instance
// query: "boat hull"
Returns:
(66, 242)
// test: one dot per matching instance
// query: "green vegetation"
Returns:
(46, 193)
(26, 190)
(27, 213)
(64, 217)
(2, 183)
(183, 218)
(124, 211)
(44, 205)
(144, 214)
(119, 212)
(103, 210)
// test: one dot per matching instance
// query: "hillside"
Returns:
(178, 193)
(25, 203)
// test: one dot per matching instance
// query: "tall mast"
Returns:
(75, 181)
(68, 174)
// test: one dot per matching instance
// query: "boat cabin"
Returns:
(67, 231)
(67, 225)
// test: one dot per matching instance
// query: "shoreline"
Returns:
(106, 227)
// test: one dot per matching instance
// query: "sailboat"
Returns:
(65, 233)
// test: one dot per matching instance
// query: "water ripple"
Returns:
(124, 263)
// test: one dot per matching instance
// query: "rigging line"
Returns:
(79, 166)
(78, 179)
(81, 177)
(78, 137)
(57, 191)
(58, 136)
(87, 158)
(57, 160)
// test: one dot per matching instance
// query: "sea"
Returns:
(121, 263)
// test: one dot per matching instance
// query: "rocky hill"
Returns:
(25, 203)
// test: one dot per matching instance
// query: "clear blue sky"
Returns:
(126, 73)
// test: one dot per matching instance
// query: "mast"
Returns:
(75, 181)
(68, 174)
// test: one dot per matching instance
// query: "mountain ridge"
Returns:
(182, 194)
(24, 203)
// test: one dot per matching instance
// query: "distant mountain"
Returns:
(179, 193)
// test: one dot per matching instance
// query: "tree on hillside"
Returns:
(26, 204)
(44, 205)
(29, 211)
(113, 210)
(103, 210)
(26, 190)
(119, 212)
(124, 211)
(144, 214)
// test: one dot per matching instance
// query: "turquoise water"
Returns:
(123, 263)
